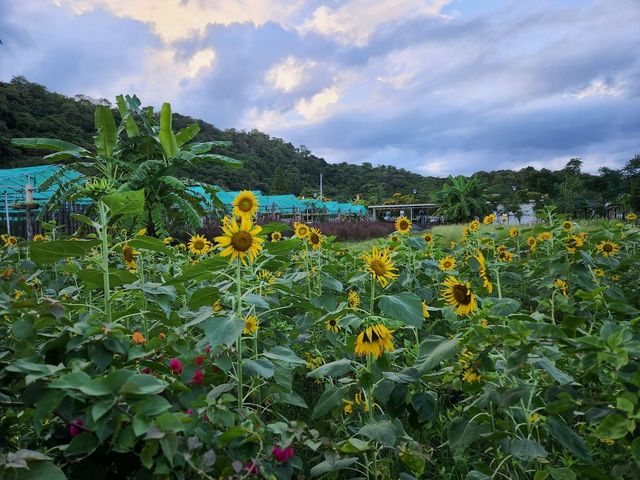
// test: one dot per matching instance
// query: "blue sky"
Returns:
(435, 86)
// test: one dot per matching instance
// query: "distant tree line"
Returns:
(277, 167)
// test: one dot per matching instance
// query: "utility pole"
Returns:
(321, 195)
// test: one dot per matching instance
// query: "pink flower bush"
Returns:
(282, 455)
(198, 377)
(176, 366)
(199, 360)
(75, 427)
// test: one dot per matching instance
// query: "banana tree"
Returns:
(142, 152)
(461, 199)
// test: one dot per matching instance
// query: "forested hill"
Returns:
(270, 164)
(276, 166)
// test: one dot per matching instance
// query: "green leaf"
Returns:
(82, 445)
(330, 399)
(187, 133)
(70, 149)
(223, 330)
(50, 252)
(462, 434)
(614, 426)
(261, 367)
(125, 203)
(127, 118)
(382, 431)
(332, 369)
(100, 409)
(151, 244)
(332, 465)
(38, 471)
(562, 473)
(151, 406)
(141, 384)
(425, 405)
(168, 140)
(200, 270)
(433, 350)
(284, 354)
(526, 450)
(503, 307)
(405, 307)
(569, 439)
(107, 134)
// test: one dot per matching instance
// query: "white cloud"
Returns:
(288, 74)
(599, 88)
(356, 20)
(178, 19)
(320, 106)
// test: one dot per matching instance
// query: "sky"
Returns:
(437, 87)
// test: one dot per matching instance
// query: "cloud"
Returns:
(437, 87)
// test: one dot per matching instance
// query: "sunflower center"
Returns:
(607, 247)
(128, 254)
(572, 243)
(314, 239)
(198, 245)
(333, 323)
(241, 241)
(378, 268)
(404, 225)
(374, 336)
(245, 204)
(462, 294)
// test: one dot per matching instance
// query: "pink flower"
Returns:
(198, 361)
(146, 370)
(75, 427)
(188, 411)
(176, 366)
(198, 377)
(282, 455)
(207, 349)
(251, 468)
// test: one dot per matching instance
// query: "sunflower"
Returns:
(39, 238)
(240, 241)
(428, 237)
(533, 243)
(583, 236)
(615, 278)
(505, 256)
(245, 205)
(380, 266)
(598, 272)
(141, 232)
(354, 299)
(489, 219)
(562, 286)
(217, 306)
(631, 217)
(513, 232)
(608, 248)
(483, 271)
(394, 238)
(374, 340)
(474, 225)
(447, 264)
(129, 255)
(458, 294)
(250, 325)
(332, 325)
(167, 240)
(276, 236)
(567, 225)
(301, 230)
(425, 310)
(315, 238)
(572, 243)
(544, 236)
(9, 240)
(199, 245)
(465, 232)
(403, 225)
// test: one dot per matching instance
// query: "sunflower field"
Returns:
(512, 353)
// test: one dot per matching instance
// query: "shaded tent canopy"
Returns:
(14, 180)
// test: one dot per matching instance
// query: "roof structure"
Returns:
(13, 184)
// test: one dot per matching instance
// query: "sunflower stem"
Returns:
(102, 210)
(239, 339)
(497, 271)
(372, 405)
(373, 295)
